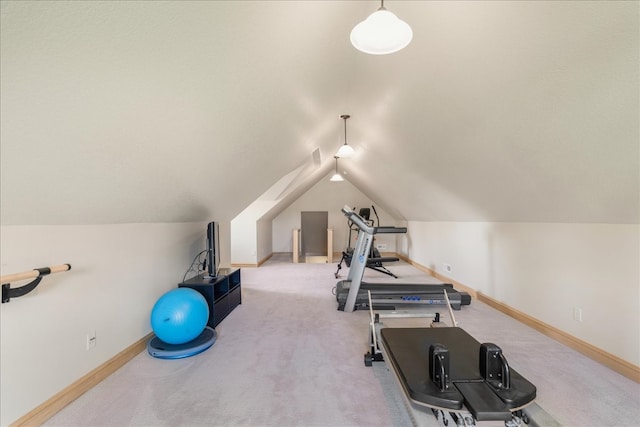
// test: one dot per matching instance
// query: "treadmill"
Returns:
(352, 293)
(375, 260)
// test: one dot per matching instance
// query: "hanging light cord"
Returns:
(345, 117)
(345, 131)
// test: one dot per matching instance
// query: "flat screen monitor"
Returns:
(213, 249)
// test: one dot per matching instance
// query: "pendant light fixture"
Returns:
(345, 151)
(381, 33)
(336, 176)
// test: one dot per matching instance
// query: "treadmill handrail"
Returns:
(358, 220)
(389, 230)
(366, 227)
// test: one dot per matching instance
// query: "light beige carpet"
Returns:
(286, 357)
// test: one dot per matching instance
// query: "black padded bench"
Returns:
(446, 368)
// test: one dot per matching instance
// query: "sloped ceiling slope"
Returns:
(162, 111)
(185, 111)
(505, 111)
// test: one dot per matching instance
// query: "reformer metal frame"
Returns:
(443, 416)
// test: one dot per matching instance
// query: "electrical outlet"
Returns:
(381, 246)
(577, 314)
(447, 268)
(91, 340)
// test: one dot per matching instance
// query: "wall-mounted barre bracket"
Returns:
(38, 274)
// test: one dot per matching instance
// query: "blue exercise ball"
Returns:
(179, 316)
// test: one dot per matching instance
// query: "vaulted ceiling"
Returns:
(170, 111)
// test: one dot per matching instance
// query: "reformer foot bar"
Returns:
(351, 294)
(392, 296)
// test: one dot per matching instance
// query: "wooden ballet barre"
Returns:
(31, 274)
(37, 274)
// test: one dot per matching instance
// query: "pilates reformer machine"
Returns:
(444, 372)
(351, 294)
(375, 261)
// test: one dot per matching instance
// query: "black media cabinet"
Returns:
(222, 293)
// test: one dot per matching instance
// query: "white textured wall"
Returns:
(545, 270)
(331, 197)
(251, 235)
(244, 239)
(264, 239)
(118, 272)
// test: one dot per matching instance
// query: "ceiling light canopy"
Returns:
(345, 151)
(336, 176)
(381, 33)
